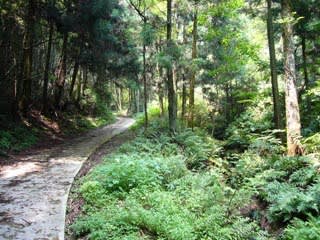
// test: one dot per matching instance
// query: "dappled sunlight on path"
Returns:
(34, 193)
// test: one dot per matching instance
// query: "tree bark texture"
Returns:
(292, 106)
(145, 82)
(273, 69)
(305, 70)
(46, 70)
(25, 98)
(193, 73)
(62, 72)
(172, 101)
(74, 77)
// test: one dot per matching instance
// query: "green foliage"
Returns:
(303, 230)
(126, 173)
(310, 108)
(311, 143)
(148, 34)
(170, 54)
(202, 117)
(153, 113)
(266, 144)
(17, 138)
(289, 185)
(198, 149)
(288, 201)
(255, 120)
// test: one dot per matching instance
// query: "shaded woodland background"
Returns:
(94, 57)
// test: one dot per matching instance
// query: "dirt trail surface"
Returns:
(34, 192)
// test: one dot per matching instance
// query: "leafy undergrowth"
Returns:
(186, 186)
(163, 187)
(17, 138)
(285, 190)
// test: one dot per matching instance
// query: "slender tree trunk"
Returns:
(193, 73)
(121, 98)
(46, 70)
(138, 100)
(99, 83)
(130, 101)
(305, 70)
(227, 104)
(159, 81)
(79, 94)
(133, 98)
(172, 101)
(19, 85)
(160, 90)
(292, 106)
(74, 77)
(25, 98)
(145, 82)
(273, 69)
(85, 80)
(160, 94)
(62, 72)
(118, 97)
(184, 79)
(184, 97)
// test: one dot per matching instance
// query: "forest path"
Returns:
(34, 192)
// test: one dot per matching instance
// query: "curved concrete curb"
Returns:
(34, 193)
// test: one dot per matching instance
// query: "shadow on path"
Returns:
(34, 193)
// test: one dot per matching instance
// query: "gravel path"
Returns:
(34, 192)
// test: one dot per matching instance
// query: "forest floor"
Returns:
(34, 190)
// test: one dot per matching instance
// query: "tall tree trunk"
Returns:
(25, 98)
(184, 97)
(46, 70)
(161, 101)
(305, 70)
(160, 81)
(145, 81)
(172, 101)
(160, 90)
(273, 69)
(62, 72)
(99, 83)
(79, 94)
(74, 77)
(120, 99)
(138, 100)
(292, 106)
(85, 80)
(193, 73)
(184, 79)
(227, 103)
